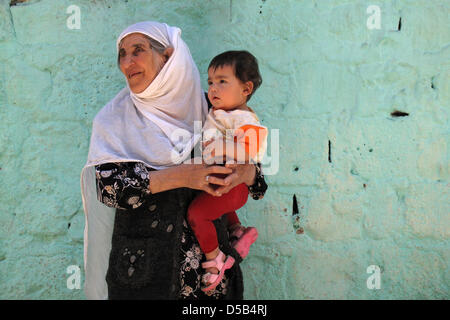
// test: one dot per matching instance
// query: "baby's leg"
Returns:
(206, 208)
(233, 220)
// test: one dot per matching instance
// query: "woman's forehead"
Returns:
(133, 39)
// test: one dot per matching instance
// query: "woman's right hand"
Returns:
(191, 176)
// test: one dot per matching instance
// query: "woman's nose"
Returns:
(127, 61)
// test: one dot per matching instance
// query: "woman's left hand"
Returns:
(242, 173)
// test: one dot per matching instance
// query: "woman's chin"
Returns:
(136, 88)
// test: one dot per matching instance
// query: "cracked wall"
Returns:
(362, 115)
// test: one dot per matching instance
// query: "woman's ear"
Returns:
(167, 53)
(248, 88)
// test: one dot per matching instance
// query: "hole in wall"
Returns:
(397, 113)
(399, 24)
(260, 6)
(15, 2)
(296, 216)
(432, 83)
(329, 151)
(294, 205)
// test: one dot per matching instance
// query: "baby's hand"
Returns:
(215, 151)
(223, 150)
(206, 143)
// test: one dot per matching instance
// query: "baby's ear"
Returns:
(248, 88)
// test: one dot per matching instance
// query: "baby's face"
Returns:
(225, 90)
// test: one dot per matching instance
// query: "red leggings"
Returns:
(205, 208)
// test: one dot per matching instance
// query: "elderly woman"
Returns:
(137, 184)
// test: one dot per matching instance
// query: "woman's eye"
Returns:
(223, 81)
(209, 83)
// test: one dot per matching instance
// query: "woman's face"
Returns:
(138, 62)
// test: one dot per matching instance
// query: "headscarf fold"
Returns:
(158, 127)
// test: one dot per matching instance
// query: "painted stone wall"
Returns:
(361, 114)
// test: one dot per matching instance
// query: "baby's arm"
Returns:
(252, 138)
(223, 150)
(247, 144)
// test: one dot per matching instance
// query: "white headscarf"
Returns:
(144, 127)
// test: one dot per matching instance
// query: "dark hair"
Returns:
(244, 64)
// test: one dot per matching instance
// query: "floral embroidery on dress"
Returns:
(191, 270)
(122, 185)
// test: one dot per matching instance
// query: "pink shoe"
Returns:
(221, 265)
(243, 243)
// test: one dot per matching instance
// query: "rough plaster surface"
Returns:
(371, 189)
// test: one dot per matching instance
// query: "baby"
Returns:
(232, 132)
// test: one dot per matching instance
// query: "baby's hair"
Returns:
(244, 64)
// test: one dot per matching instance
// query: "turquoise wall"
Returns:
(370, 188)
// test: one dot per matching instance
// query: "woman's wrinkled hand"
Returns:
(195, 177)
(242, 173)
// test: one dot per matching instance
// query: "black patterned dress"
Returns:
(155, 254)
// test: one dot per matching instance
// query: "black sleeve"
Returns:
(258, 189)
(122, 185)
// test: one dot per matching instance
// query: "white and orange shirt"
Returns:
(239, 126)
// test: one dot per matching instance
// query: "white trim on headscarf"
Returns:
(158, 127)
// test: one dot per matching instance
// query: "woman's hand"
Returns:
(195, 177)
(189, 176)
(242, 173)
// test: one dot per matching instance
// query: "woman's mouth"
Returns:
(133, 74)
